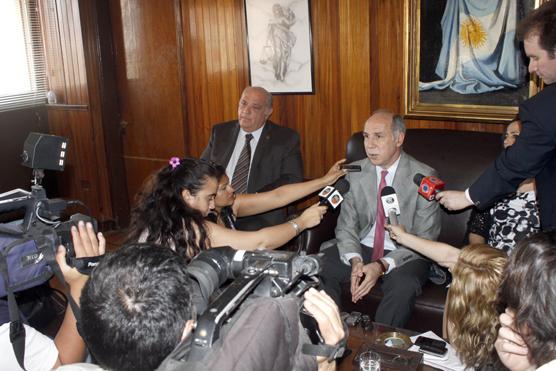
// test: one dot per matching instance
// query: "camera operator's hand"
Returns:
(327, 315)
(86, 244)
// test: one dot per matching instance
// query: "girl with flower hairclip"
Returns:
(174, 203)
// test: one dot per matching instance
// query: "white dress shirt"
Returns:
(240, 142)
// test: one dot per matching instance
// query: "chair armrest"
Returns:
(310, 240)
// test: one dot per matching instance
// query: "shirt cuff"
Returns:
(347, 257)
(468, 196)
(391, 264)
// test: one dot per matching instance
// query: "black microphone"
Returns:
(332, 196)
(390, 204)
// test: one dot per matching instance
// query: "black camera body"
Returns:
(255, 273)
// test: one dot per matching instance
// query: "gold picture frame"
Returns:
(498, 106)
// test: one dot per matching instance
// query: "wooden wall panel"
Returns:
(81, 178)
(358, 67)
(215, 60)
(151, 107)
(77, 115)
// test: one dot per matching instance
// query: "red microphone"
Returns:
(429, 186)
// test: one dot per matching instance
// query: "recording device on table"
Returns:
(390, 204)
(332, 196)
(255, 274)
(28, 246)
(429, 186)
(431, 346)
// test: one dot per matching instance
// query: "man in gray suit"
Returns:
(258, 155)
(362, 252)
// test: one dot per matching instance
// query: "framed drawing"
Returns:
(279, 45)
(462, 60)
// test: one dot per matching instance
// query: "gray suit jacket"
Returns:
(358, 213)
(276, 162)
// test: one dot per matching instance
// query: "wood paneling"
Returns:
(182, 65)
(149, 88)
(81, 178)
(75, 65)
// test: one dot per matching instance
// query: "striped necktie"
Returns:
(241, 172)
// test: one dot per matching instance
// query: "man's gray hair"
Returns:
(267, 93)
(398, 125)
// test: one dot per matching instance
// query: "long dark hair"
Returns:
(529, 288)
(165, 217)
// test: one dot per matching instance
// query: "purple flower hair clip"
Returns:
(174, 162)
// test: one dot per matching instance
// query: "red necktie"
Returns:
(378, 244)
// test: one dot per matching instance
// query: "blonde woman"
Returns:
(472, 305)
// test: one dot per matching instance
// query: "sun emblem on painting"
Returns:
(472, 34)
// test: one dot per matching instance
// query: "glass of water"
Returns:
(369, 361)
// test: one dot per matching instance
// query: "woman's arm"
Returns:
(442, 253)
(266, 238)
(256, 203)
(475, 239)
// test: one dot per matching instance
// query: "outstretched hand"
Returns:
(453, 200)
(335, 173)
(312, 216)
(85, 244)
(397, 232)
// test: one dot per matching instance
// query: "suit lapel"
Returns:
(369, 189)
(263, 142)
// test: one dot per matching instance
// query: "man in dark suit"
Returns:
(534, 152)
(362, 253)
(258, 155)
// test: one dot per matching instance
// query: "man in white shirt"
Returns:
(258, 155)
(362, 253)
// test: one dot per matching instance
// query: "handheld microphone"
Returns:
(429, 186)
(332, 196)
(390, 204)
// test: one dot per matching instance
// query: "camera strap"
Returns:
(84, 265)
(330, 352)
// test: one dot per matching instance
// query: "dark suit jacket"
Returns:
(532, 155)
(276, 161)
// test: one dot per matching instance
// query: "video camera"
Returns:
(259, 273)
(28, 246)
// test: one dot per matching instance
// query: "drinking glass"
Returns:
(369, 361)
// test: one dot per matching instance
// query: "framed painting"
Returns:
(462, 59)
(279, 45)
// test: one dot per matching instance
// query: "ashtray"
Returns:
(394, 339)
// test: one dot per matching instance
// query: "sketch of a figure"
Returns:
(479, 53)
(280, 40)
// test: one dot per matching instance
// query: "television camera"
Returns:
(254, 273)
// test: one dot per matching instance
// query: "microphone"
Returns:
(390, 204)
(429, 186)
(332, 196)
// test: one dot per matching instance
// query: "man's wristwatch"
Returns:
(382, 266)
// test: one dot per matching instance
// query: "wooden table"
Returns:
(358, 337)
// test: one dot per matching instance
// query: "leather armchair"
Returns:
(459, 157)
